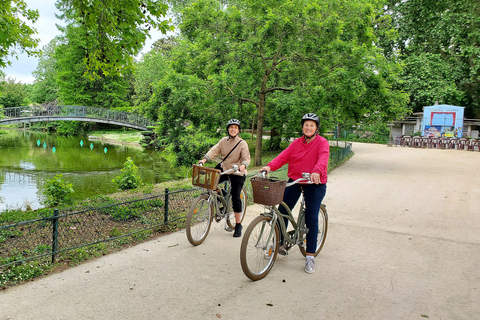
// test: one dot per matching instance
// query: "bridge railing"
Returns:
(76, 111)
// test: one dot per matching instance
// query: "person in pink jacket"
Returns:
(309, 153)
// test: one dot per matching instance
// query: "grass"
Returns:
(131, 136)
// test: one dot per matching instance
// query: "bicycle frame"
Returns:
(261, 241)
(292, 237)
(224, 199)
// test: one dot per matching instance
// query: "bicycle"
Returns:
(261, 241)
(211, 204)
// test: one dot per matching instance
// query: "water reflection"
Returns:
(20, 190)
(25, 166)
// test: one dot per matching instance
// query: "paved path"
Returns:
(403, 243)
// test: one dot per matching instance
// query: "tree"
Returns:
(12, 94)
(113, 31)
(310, 55)
(16, 33)
(45, 88)
(152, 68)
(443, 39)
(108, 91)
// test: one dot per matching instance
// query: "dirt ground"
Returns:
(403, 243)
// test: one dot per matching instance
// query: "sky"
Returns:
(21, 69)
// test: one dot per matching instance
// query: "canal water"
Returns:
(29, 159)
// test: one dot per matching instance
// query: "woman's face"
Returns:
(309, 128)
(233, 130)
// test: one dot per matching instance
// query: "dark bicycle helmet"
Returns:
(311, 116)
(233, 121)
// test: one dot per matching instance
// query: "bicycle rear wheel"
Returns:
(231, 222)
(322, 231)
(199, 220)
(259, 248)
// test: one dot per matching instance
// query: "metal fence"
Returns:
(107, 220)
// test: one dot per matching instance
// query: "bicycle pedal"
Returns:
(228, 229)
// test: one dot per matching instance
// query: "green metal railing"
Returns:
(73, 228)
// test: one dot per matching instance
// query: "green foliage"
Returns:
(250, 59)
(373, 133)
(129, 179)
(109, 91)
(45, 88)
(439, 42)
(191, 146)
(71, 128)
(12, 94)
(18, 273)
(111, 43)
(16, 33)
(58, 191)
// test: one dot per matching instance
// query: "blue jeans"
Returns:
(314, 194)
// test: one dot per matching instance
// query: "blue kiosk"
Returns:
(442, 121)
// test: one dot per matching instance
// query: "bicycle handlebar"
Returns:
(305, 177)
(234, 169)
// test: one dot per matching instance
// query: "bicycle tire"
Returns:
(231, 222)
(257, 257)
(199, 220)
(322, 231)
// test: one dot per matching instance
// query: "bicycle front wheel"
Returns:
(199, 220)
(322, 231)
(259, 248)
(231, 219)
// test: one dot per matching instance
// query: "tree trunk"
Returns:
(261, 114)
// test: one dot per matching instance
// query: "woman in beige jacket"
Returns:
(240, 156)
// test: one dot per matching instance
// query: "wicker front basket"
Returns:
(205, 177)
(268, 191)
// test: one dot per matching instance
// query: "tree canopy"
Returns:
(16, 33)
(288, 58)
(113, 31)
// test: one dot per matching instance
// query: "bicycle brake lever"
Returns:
(306, 175)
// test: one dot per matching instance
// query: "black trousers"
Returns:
(237, 182)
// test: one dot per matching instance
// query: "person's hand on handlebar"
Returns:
(315, 177)
(266, 168)
(202, 162)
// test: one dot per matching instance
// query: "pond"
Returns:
(28, 159)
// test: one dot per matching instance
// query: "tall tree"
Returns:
(16, 33)
(439, 40)
(319, 53)
(45, 88)
(108, 91)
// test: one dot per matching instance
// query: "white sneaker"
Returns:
(309, 265)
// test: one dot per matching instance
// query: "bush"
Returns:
(58, 191)
(129, 179)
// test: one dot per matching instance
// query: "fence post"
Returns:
(55, 234)
(165, 219)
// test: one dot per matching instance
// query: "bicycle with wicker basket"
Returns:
(216, 203)
(261, 241)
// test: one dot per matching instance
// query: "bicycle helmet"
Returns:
(311, 116)
(233, 121)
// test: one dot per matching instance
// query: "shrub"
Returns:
(58, 191)
(129, 179)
